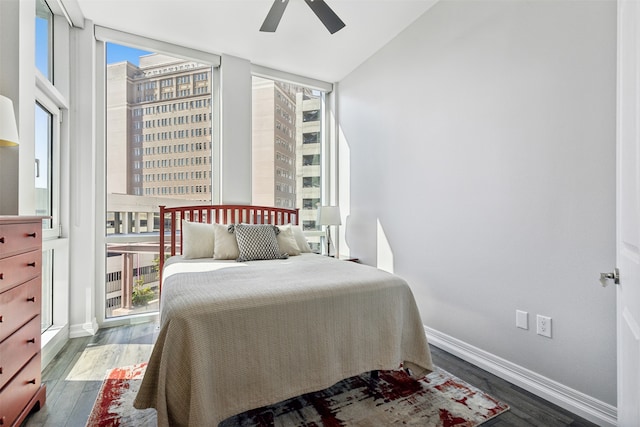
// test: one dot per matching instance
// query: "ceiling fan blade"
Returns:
(273, 17)
(326, 15)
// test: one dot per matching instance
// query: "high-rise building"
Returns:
(308, 154)
(159, 131)
(286, 149)
(159, 136)
(273, 144)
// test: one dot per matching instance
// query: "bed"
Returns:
(240, 335)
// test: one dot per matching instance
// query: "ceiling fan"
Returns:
(319, 7)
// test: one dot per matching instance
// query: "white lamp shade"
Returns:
(8, 128)
(330, 215)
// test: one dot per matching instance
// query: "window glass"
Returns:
(311, 115)
(311, 137)
(287, 125)
(310, 160)
(44, 39)
(311, 182)
(159, 151)
(311, 203)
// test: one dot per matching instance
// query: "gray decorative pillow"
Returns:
(257, 242)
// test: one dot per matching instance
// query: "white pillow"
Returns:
(300, 239)
(287, 241)
(225, 244)
(197, 240)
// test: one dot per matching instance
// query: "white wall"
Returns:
(235, 147)
(17, 170)
(481, 143)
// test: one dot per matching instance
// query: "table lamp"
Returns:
(8, 128)
(329, 215)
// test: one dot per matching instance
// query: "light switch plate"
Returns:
(522, 319)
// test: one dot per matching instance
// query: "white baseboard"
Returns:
(53, 339)
(84, 329)
(572, 400)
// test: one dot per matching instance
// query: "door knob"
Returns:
(605, 277)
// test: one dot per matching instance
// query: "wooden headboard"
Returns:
(171, 218)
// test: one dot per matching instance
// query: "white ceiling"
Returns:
(301, 45)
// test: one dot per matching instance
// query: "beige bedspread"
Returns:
(251, 334)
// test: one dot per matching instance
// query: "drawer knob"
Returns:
(34, 235)
(0, 321)
(31, 299)
(1, 276)
(1, 239)
(33, 381)
(2, 421)
(0, 370)
(31, 341)
(31, 264)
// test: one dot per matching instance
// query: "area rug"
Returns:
(392, 398)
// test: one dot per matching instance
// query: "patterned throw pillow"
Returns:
(257, 242)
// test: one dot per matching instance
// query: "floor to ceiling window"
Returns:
(159, 139)
(287, 138)
(49, 108)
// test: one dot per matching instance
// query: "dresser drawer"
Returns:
(18, 305)
(18, 348)
(16, 238)
(17, 393)
(20, 268)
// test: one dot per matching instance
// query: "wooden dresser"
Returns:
(20, 305)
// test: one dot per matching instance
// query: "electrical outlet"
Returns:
(543, 326)
(522, 319)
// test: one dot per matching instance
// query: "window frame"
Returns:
(50, 42)
(328, 161)
(53, 95)
(51, 101)
(104, 35)
(283, 124)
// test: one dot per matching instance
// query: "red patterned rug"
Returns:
(437, 400)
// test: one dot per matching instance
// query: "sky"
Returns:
(42, 46)
(119, 53)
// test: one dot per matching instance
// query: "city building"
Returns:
(159, 128)
(273, 143)
(286, 150)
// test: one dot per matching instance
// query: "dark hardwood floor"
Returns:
(74, 377)
(526, 408)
